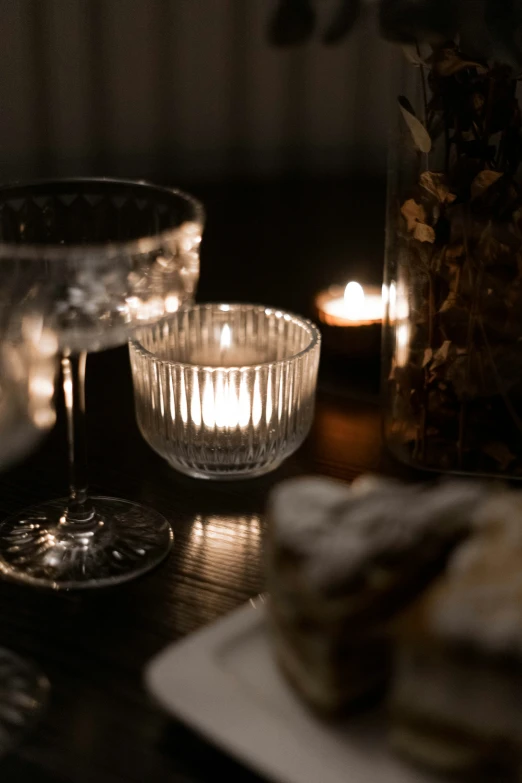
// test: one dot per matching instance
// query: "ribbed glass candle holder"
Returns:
(225, 391)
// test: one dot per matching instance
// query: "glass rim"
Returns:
(149, 242)
(304, 323)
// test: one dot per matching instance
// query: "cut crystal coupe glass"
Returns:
(110, 255)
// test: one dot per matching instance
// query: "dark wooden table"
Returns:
(275, 245)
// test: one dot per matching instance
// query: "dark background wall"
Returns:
(187, 90)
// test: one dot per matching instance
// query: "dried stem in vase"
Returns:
(459, 233)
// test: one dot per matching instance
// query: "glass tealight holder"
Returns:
(225, 391)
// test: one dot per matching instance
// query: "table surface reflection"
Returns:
(101, 726)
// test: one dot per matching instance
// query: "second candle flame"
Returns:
(354, 301)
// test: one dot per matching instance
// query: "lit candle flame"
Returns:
(223, 405)
(224, 400)
(354, 301)
(225, 337)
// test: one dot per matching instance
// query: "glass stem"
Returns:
(80, 511)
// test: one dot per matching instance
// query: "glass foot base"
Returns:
(23, 695)
(235, 473)
(123, 541)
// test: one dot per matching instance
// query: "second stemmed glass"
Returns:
(27, 375)
(110, 255)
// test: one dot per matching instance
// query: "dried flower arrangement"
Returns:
(456, 396)
(460, 234)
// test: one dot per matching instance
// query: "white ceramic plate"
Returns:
(224, 683)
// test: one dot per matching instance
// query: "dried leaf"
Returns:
(449, 303)
(448, 62)
(424, 233)
(436, 261)
(483, 181)
(420, 135)
(428, 356)
(500, 453)
(441, 355)
(436, 184)
(454, 252)
(479, 102)
(413, 213)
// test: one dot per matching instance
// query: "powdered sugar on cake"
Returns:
(480, 600)
(339, 531)
(488, 617)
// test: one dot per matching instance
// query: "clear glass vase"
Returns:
(108, 256)
(452, 346)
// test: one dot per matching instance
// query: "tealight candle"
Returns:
(352, 319)
(225, 391)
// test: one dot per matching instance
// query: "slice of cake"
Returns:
(456, 702)
(342, 562)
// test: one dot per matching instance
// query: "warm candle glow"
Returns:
(224, 406)
(352, 316)
(225, 337)
(227, 402)
(354, 306)
(41, 387)
(354, 301)
(402, 333)
(171, 303)
(400, 316)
